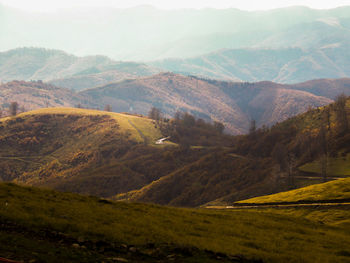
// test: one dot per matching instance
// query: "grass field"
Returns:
(337, 189)
(339, 166)
(126, 121)
(269, 236)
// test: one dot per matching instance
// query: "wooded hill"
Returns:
(232, 103)
(264, 160)
(109, 154)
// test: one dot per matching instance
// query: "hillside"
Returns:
(211, 177)
(36, 94)
(334, 190)
(115, 155)
(284, 65)
(106, 154)
(266, 160)
(49, 226)
(233, 104)
(65, 70)
(329, 88)
(76, 149)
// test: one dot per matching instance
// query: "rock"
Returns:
(75, 245)
(120, 259)
(132, 249)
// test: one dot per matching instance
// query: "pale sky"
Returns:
(52, 5)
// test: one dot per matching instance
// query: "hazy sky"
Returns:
(50, 5)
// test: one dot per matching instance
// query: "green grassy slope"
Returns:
(338, 189)
(98, 224)
(127, 123)
(337, 166)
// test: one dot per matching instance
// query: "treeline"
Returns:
(187, 130)
(12, 109)
(225, 84)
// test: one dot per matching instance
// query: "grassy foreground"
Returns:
(85, 220)
(338, 189)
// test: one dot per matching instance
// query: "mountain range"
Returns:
(147, 33)
(234, 104)
(284, 65)
(65, 70)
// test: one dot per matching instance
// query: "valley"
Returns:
(188, 131)
(116, 156)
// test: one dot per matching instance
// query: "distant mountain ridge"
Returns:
(285, 65)
(145, 33)
(290, 65)
(66, 70)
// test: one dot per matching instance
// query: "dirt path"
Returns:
(345, 205)
(24, 158)
(140, 132)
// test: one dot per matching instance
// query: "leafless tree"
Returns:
(13, 108)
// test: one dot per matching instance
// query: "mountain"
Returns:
(36, 94)
(145, 33)
(65, 70)
(233, 104)
(329, 88)
(284, 65)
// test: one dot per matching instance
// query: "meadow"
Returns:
(250, 234)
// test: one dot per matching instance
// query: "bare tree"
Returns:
(252, 128)
(341, 114)
(291, 162)
(219, 127)
(323, 150)
(279, 154)
(327, 117)
(108, 107)
(155, 114)
(13, 108)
